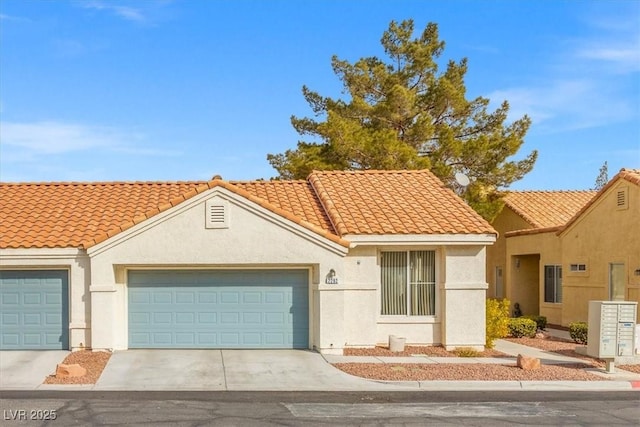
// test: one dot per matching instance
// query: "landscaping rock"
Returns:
(528, 363)
(65, 371)
(541, 335)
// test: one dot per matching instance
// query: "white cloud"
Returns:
(565, 104)
(590, 82)
(125, 12)
(4, 17)
(33, 140)
(50, 137)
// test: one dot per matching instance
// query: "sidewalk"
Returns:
(293, 370)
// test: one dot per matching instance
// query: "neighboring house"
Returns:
(556, 248)
(601, 248)
(343, 259)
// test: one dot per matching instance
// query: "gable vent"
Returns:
(217, 214)
(621, 198)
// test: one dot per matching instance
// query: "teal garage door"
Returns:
(219, 309)
(34, 310)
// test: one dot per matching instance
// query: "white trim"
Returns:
(419, 239)
(79, 325)
(102, 288)
(226, 195)
(41, 253)
(410, 320)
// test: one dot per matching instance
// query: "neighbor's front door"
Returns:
(616, 282)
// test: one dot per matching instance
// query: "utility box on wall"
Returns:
(611, 329)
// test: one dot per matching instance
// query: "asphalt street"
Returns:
(319, 408)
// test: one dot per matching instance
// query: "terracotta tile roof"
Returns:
(296, 197)
(80, 215)
(394, 202)
(48, 215)
(630, 175)
(331, 204)
(546, 209)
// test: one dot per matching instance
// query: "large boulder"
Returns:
(528, 363)
(74, 370)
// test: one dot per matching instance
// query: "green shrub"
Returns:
(541, 321)
(497, 318)
(522, 327)
(578, 332)
(466, 352)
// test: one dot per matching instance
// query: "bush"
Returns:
(541, 321)
(578, 332)
(497, 318)
(522, 327)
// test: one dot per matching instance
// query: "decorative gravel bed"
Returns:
(477, 372)
(630, 368)
(93, 361)
(433, 351)
(468, 372)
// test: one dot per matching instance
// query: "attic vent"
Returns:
(217, 214)
(621, 198)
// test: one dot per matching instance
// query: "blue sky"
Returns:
(181, 90)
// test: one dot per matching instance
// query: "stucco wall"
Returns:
(463, 291)
(179, 239)
(76, 262)
(346, 313)
(601, 236)
(507, 220)
(525, 285)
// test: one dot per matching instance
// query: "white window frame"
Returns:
(408, 285)
(578, 268)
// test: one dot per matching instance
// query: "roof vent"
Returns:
(621, 198)
(217, 214)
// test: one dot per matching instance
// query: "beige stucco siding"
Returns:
(525, 284)
(506, 221)
(602, 235)
(179, 239)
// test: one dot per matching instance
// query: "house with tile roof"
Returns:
(559, 249)
(342, 259)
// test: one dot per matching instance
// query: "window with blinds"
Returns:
(408, 283)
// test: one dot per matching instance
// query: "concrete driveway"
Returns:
(26, 370)
(226, 370)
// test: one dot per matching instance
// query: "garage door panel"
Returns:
(34, 306)
(225, 309)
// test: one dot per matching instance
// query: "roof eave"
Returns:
(421, 239)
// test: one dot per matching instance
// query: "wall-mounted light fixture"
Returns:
(517, 262)
(637, 272)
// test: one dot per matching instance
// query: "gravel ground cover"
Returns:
(466, 372)
(502, 372)
(93, 361)
(433, 351)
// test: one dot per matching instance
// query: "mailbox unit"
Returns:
(611, 329)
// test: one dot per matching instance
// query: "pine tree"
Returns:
(603, 177)
(406, 114)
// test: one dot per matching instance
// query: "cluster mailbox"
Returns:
(611, 329)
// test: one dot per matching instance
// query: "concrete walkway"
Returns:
(25, 370)
(282, 370)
